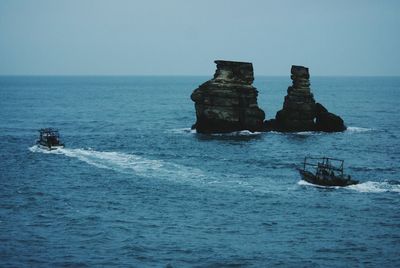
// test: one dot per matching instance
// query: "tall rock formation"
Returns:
(300, 112)
(228, 102)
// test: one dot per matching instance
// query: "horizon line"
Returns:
(188, 75)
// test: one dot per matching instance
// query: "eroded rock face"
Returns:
(326, 121)
(228, 102)
(300, 112)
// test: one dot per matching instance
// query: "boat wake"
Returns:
(365, 187)
(376, 187)
(128, 163)
(150, 168)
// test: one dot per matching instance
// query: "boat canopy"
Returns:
(324, 163)
(49, 132)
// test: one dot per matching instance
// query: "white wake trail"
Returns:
(159, 169)
(364, 187)
(375, 187)
(129, 163)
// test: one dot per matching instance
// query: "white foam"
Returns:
(299, 133)
(159, 169)
(375, 187)
(358, 129)
(348, 130)
(183, 130)
(313, 133)
(365, 187)
(37, 149)
(307, 133)
(235, 133)
(238, 133)
(304, 183)
(130, 163)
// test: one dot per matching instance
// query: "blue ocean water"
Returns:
(135, 187)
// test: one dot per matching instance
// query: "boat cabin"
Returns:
(50, 138)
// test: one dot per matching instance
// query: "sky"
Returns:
(184, 37)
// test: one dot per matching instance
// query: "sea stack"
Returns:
(228, 102)
(300, 112)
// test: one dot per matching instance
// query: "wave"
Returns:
(357, 129)
(364, 187)
(315, 133)
(376, 187)
(298, 133)
(348, 130)
(182, 130)
(249, 133)
(304, 183)
(307, 133)
(238, 133)
(234, 133)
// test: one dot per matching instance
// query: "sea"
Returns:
(136, 187)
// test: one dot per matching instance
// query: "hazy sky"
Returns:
(184, 37)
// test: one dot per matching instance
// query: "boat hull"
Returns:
(326, 181)
(50, 147)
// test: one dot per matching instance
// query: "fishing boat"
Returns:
(325, 171)
(49, 139)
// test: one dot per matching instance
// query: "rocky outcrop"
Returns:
(228, 102)
(326, 121)
(300, 112)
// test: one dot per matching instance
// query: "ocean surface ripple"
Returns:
(136, 187)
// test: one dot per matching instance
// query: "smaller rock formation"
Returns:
(326, 121)
(300, 112)
(228, 102)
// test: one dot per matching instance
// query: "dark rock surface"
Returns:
(326, 121)
(228, 102)
(300, 112)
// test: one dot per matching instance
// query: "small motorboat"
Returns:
(49, 139)
(328, 172)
